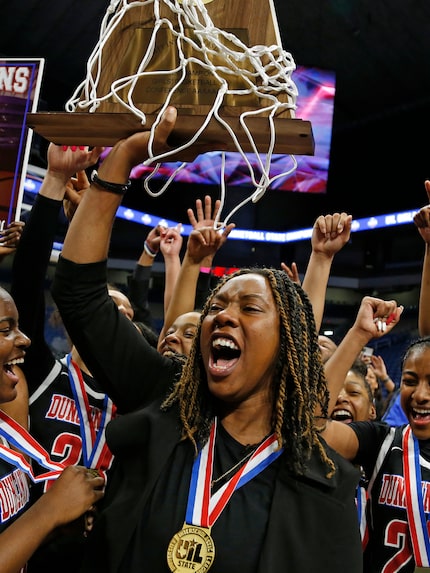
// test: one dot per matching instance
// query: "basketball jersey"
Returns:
(55, 421)
(389, 548)
(14, 492)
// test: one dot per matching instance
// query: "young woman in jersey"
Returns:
(54, 384)
(397, 461)
(23, 527)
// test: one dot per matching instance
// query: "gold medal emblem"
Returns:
(191, 549)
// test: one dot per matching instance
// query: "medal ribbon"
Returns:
(18, 436)
(361, 501)
(414, 499)
(204, 509)
(93, 441)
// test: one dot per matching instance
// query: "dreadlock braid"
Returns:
(299, 384)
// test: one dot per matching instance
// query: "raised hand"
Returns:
(204, 217)
(292, 272)
(422, 217)
(75, 189)
(171, 241)
(331, 233)
(9, 238)
(205, 242)
(67, 161)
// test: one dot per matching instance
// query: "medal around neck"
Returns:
(191, 549)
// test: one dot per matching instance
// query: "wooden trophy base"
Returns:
(251, 22)
(293, 136)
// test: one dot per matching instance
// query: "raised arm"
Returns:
(375, 318)
(139, 281)
(201, 249)
(422, 221)
(32, 257)
(380, 369)
(89, 233)
(114, 351)
(202, 243)
(330, 233)
(170, 246)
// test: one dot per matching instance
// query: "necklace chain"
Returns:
(239, 463)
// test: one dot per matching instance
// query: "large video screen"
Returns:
(315, 103)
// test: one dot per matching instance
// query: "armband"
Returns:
(118, 188)
(148, 250)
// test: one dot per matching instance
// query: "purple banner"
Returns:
(20, 81)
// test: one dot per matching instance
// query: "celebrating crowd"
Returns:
(237, 438)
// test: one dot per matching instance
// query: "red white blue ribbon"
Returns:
(361, 501)
(18, 436)
(93, 440)
(203, 508)
(414, 499)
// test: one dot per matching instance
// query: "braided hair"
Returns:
(299, 385)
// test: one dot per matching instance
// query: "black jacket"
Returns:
(312, 523)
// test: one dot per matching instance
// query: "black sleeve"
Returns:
(204, 285)
(130, 371)
(29, 272)
(370, 437)
(138, 289)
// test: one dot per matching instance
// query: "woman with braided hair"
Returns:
(288, 417)
(218, 464)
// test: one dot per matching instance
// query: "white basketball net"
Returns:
(267, 73)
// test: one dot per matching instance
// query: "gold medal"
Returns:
(191, 549)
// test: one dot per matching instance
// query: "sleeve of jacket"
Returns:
(130, 371)
(29, 273)
(138, 288)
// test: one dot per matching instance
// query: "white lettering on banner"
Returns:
(14, 79)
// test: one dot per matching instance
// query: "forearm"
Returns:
(388, 384)
(337, 366)
(172, 271)
(21, 539)
(424, 299)
(315, 283)
(54, 185)
(29, 269)
(138, 291)
(88, 237)
(184, 293)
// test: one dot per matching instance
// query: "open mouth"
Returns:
(168, 351)
(420, 416)
(225, 354)
(8, 368)
(342, 416)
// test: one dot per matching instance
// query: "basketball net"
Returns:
(265, 74)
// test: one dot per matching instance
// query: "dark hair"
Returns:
(420, 344)
(299, 383)
(147, 332)
(360, 369)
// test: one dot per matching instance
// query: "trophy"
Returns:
(219, 62)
